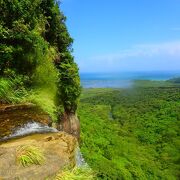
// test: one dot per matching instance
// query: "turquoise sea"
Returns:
(123, 79)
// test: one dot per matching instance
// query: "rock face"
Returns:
(13, 116)
(59, 151)
(70, 124)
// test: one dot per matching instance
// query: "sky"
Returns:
(124, 35)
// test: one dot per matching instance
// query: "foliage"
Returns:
(77, 173)
(21, 40)
(35, 44)
(69, 84)
(131, 133)
(12, 90)
(46, 74)
(27, 155)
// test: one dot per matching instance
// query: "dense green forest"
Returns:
(131, 133)
(36, 62)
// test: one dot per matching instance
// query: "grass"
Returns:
(77, 173)
(28, 155)
(13, 91)
(45, 99)
(40, 89)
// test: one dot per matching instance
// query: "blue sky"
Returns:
(124, 35)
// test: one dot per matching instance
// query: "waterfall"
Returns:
(35, 127)
(30, 128)
(80, 162)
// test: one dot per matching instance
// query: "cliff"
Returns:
(57, 149)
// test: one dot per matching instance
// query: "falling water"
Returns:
(30, 128)
(79, 158)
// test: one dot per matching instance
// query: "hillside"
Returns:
(131, 133)
(36, 62)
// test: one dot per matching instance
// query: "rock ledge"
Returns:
(59, 150)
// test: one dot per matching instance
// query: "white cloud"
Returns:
(170, 49)
(157, 56)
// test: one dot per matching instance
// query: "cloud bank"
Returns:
(157, 56)
(144, 50)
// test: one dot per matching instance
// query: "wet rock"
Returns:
(13, 116)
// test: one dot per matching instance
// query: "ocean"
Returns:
(122, 79)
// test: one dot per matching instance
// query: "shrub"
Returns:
(69, 84)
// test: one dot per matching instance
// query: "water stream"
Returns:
(30, 128)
